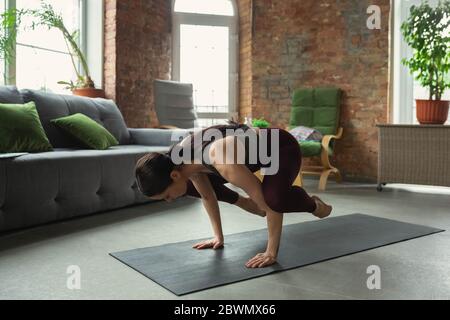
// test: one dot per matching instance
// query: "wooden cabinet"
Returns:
(414, 154)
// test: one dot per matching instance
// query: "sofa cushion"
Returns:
(157, 137)
(10, 94)
(87, 131)
(51, 106)
(21, 130)
(65, 183)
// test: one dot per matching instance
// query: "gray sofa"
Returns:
(37, 188)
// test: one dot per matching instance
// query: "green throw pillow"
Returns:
(21, 129)
(87, 131)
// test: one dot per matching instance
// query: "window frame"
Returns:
(403, 81)
(179, 18)
(88, 42)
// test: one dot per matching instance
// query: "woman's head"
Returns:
(159, 178)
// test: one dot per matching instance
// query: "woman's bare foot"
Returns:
(250, 206)
(322, 209)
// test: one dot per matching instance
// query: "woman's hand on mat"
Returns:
(214, 243)
(261, 260)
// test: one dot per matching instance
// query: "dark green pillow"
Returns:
(87, 131)
(21, 129)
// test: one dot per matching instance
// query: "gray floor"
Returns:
(33, 263)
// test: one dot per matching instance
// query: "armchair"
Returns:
(174, 105)
(318, 108)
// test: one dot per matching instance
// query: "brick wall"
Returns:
(245, 58)
(320, 43)
(109, 68)
(283, 45)
(137, 51)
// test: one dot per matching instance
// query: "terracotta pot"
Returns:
(89, 92)
(432, 111)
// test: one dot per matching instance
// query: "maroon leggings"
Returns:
(278, 191)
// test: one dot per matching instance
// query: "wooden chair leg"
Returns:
(299, 180)
(337, 175)
(300, 175)
(259, 175)
(323, 179)
(328, 169)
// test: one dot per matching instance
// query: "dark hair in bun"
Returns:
(153, 173)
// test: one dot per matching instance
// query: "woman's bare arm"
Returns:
(234, 172)
(242, 177)
(209, 200)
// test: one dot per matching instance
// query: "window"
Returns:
(46, 46)
(205, 53)
(42, 57)
(405, 88)
(217, 7)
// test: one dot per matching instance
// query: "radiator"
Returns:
(414, 154)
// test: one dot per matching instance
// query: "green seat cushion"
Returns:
(310, 148)
(316, 108)
(90, 133)
(21, 129)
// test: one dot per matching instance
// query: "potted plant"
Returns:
(45, 16)
(426, 31)
(260, 123)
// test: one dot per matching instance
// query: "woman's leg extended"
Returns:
(278, 190)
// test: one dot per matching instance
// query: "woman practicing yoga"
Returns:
(161, 177)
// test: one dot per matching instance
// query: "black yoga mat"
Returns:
(182, 270)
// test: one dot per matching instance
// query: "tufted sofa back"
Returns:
(317, 108)
(51, 106)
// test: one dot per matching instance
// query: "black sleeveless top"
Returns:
(198, 151)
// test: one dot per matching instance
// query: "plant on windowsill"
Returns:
(11, 21)
(260, 123)
(426, 31)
